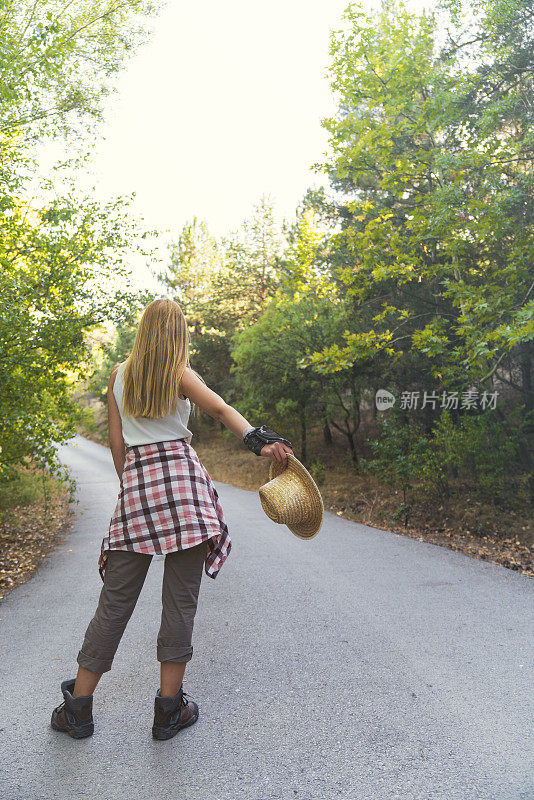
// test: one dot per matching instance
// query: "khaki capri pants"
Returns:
(125, 575)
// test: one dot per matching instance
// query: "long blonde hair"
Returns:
(155, 366)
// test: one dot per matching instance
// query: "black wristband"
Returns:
(256, 439)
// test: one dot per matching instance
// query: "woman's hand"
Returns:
(276, 451)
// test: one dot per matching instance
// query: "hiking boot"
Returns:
(75, 714)
(171, 714)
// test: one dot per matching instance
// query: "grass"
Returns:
(30, 487)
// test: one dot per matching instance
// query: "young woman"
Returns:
(168, 505)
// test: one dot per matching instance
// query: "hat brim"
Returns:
(310, 528)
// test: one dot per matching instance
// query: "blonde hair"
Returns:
(155, 366)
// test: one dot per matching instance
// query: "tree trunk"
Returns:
(526, 383)
(303, 443)
(348, 433)
(353, 453)
(428, 418)
(327, 433)
(355, 392)
(525, 445)
(356, 414)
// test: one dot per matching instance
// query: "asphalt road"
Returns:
(360, 665)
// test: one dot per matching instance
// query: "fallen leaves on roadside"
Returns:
(27, 534)
(507, 553)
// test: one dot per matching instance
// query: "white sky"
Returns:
(222, 105)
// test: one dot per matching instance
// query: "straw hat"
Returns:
(291, 498)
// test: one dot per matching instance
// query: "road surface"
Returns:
(360, 665)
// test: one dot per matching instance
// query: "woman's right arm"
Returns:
(116, 441)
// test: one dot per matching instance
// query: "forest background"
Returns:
(410, 280)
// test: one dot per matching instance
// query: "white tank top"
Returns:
(140, 430)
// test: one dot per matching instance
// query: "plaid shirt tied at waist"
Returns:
(167, 502)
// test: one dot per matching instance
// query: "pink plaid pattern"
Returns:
(167, 502)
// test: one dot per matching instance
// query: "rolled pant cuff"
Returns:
(178, 654)
(97, 665)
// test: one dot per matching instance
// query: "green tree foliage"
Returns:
(307, 284)
(112, 351)
(480, 454)
(416, 275)
(260, 242)
(433, 146)
(222, 286)
(274, 372)
(55, 267)
(59, 259)
(57, 57)
(271, 382)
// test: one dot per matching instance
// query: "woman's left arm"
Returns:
(116, 441)
(214, 405)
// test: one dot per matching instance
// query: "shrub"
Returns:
(318, 472)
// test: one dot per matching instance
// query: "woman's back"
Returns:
(141, 430)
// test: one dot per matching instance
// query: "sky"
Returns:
(221, 105)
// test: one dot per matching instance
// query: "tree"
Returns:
(263, 242)
(58, 257)
(111, 351)
(56, 264)
(272, 375)
(222, 287)
(433, 151)
(57, 58)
